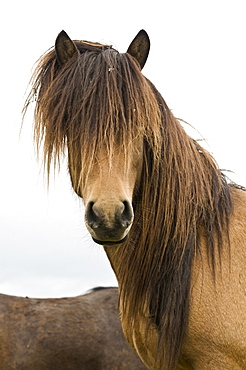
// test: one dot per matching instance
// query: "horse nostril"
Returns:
(91, 217)
(127, 214)
(100, 218)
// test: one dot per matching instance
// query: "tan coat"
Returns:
(216, 335)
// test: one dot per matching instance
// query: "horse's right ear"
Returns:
(139, 48)
(65, 48)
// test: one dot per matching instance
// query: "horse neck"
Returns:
(111, 253)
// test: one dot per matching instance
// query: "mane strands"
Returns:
(101, 95)
(182, 195)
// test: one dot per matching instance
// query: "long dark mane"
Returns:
(100, 98)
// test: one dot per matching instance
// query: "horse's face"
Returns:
(107, 194)
(107, 182)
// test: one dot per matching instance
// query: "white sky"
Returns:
(197, 61)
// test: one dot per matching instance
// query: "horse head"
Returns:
(110, 179)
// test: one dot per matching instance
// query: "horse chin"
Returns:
(109, 243)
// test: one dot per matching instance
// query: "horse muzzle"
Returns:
(109, 222)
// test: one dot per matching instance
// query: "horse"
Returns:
(171, 223)
(75, 333)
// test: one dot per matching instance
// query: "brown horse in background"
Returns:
(173, 228)
(76, 333)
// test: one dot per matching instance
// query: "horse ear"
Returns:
(139, 48)
(65, 48)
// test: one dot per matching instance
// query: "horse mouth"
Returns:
(108, 243)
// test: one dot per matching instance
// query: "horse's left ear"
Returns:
(65, 48)
(139, 48)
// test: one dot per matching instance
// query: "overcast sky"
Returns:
(197, 61)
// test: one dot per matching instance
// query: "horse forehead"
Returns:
(112, 166)
(109, 172)
(112, 156)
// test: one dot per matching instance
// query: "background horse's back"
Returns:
(76, 333)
